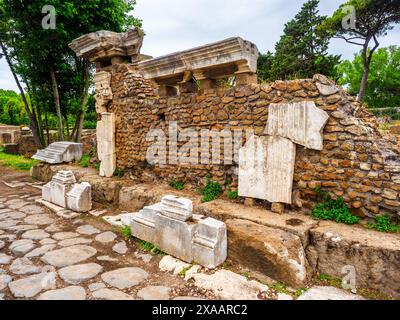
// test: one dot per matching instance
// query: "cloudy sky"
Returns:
(175, 25)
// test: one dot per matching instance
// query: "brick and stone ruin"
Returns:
(276, 143)
(64, 192)
(307, 133)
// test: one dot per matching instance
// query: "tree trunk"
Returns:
(84, 102)
(363, 86)
(57, 105)
(32, 119)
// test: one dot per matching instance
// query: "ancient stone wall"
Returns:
(356, 162)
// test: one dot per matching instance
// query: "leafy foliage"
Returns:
(177, 184)
(85, 161)
(334, 209)
(12, 110)
(149, 247)
(126, 232)
(211, 191)
(383, 224)
(301, 51)
(383, 87)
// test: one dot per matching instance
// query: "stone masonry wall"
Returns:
(356, 162)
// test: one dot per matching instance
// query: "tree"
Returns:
(383, 87)
(264, 66)
(302, 51)
(57, 81)
(374, 18)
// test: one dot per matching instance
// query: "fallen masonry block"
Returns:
(210, 243)
(59, 152)
(64, 192)
(171, 226)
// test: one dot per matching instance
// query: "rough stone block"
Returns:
(275, 253)
(210, 243)
(106, 144)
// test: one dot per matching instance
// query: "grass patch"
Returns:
(177, 184)
(211, 191)
(333, 209)
(149, 247)
(118, 173)
(182, 273)
(280, 287)
(85, 161)
(246, 274)
(327, 280)
(232, 194)
(17, 162)
(383, 224)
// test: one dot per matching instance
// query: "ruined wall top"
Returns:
(106, 45)
(211, 61)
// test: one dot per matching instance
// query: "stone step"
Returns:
(59, 152)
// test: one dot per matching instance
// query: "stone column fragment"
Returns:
(300, 122)
(143, 223)
(266, 169)
(79, 199)
(106, 144)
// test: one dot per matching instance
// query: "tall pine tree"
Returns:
(302, 51)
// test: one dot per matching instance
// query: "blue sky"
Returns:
(175, 25)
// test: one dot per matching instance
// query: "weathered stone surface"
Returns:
(175, 237)
(53, 228)
(5, 279)
(154, 293)
(24, 266)
(106, 237)
(80, 273)
(111, 294)
(120, 248)
(5, 259)
(104, 95)
(105, 45)
(13, 215)
(96, 286)
(338, 245)
(328, 293)
(273, 252)
(224, 58)
(65, 235)
(74, 242)
(300, 122)
(47, 241)
(177, 208)
(38, 234)
(106, 144)
(59, 152)
(30, 286)
(143, 223)
(87, 230)
(21, 247)
(2, 244)
(210, 243)
(327, 90)
(39, 219)
(32, 209)
(8, 223)
(125, 278)
(106, 258)
(38, 252)
(22, 227)
(68, 293)
(266, 169)
(68, 256)
(170, 264)
(79, 199)
(16, 204)
(229, 286)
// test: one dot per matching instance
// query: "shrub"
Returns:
(85, 161)
(211, 191)
(178, 185)
(383, 224)
(334, 209)
(233, 194)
